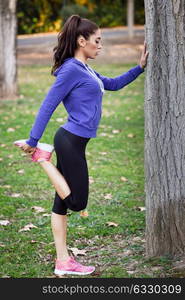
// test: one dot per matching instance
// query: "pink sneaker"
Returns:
(19, 143)
(72, 267)
(43, 151)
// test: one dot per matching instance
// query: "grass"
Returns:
(116, 153)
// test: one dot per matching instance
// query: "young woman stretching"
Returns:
(80, 89)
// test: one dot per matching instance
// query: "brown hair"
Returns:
(67, 38)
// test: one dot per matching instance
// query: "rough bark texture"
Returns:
(165, 127)
(8, 29)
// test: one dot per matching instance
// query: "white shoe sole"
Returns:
(58, 272)
(42, 146)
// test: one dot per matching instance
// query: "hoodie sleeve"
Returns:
(114, 84)
(62, 86)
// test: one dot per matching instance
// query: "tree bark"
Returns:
(130, 18)
(8, 30)
(165, 127)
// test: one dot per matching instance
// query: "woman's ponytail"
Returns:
(70, 30)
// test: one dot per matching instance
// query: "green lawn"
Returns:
(116, 169)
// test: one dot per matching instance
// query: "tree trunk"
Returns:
(165, 127)
(130, 18)
(8, 30)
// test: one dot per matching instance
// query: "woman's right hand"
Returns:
(28, 149)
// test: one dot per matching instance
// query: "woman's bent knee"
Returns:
(75, 204)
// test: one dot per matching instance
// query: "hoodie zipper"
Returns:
(90, 70)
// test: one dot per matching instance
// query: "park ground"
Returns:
(111, 234)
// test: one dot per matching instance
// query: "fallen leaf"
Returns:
(127, 252)
(131, 272)
(33, 241)
(38, 208)
(124, 179)
(107, 113)
(137, 239)
(59, 120)
(10, 129)
(4, 222)
(179, 265)
(103, 134)
(15, 195)
(115, 131)
(108, 196)
(141, 208)
(77, 251)
(24, 154)
(27, 227)
(156, 269)
(46, 215)
(81, 227)
(130, 135)
(10, 156)
(91, 180)
(6, 186)
(127, 118)
(111, 224)
(103, 153)
(84, 214)
(20, 171)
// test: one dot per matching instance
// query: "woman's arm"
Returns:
(114, 84)
(63, 84)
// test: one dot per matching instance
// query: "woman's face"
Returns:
(93, 45)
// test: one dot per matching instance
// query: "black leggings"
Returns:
(71, 163)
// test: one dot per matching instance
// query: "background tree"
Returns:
(130, 18)
(164, 127)
(46, 15)
(8, 29)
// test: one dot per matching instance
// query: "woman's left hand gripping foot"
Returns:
(28, 149)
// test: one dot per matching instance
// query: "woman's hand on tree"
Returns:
(144, 56)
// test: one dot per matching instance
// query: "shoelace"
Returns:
(75, 262)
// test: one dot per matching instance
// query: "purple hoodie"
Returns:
(81, 95)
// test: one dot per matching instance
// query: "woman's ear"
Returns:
(81, 41)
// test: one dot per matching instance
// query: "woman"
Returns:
(80, 88)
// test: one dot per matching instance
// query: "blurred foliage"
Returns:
(69, 10)
(49, 15)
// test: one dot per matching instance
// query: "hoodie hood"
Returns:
(69, 60)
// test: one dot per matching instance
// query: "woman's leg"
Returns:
(56, 178)
(58, 222)
(59, 229)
